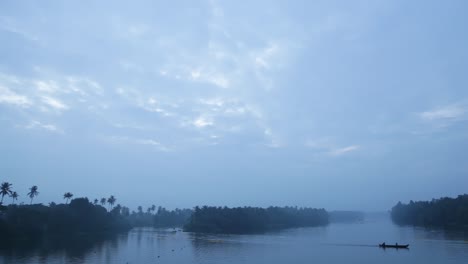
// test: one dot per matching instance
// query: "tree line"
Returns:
(77, 216)
(82, 216)
(35, 222)
(443, 212)
(245, 220)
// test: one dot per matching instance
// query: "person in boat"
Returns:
(383, 244)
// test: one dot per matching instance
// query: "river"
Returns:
(335, 243)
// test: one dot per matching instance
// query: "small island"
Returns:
(443, 212)
(248, 220)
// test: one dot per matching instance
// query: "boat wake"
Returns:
(351, 245)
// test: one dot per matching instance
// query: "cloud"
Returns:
(263, 58)
(49, 90)
(202, 122)
(199, 74)
(442, 117)
(38, 125)
(449, 112)
(54, 103)
(46, 86)
(7, 96)
(231, 69)
(345, 150)
(138, 141)
(152, 142)
(9, 24)
(326, 146)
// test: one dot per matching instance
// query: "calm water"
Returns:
(336, 243)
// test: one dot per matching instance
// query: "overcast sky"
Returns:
(335, 104)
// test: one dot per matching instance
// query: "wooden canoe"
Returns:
(393, 246)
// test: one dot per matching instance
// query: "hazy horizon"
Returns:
(331, 104)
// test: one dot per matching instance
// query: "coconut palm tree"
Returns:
(5, 189)
(14, 196)
(68, 196)
(111, 200)
(153, 208)
(96, 201)
(33, 192)
(103, 201)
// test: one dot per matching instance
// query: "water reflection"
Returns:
(72, 249)
(336, 243)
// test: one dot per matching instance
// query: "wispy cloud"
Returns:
(262, 59)
(326, 146)
(9, 24)
(448, 112)
(138, 141)
(345, 150)
(443, 117)
(49, 90)
(48, 127)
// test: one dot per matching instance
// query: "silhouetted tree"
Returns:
(140, 209)
(14, 196)
(5, 189)
(67, 196)
(96, 201)
(117, 209)
(111, 200)
(103, 201)
(33, 192)
(125, 211)
(153, 208)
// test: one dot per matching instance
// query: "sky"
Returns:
(345, 105)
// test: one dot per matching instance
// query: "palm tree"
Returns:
(14, 196)
(5, 189)
(153, 208)
(111, 200)
(68, 196)
(33, 192)
(103, 201)
(96, 201)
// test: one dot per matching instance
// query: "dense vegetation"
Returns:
(161, 218)
(83, 217)
(244, 220)
(345, 216)
(37, 222)
(443, 212)
(27, 222)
